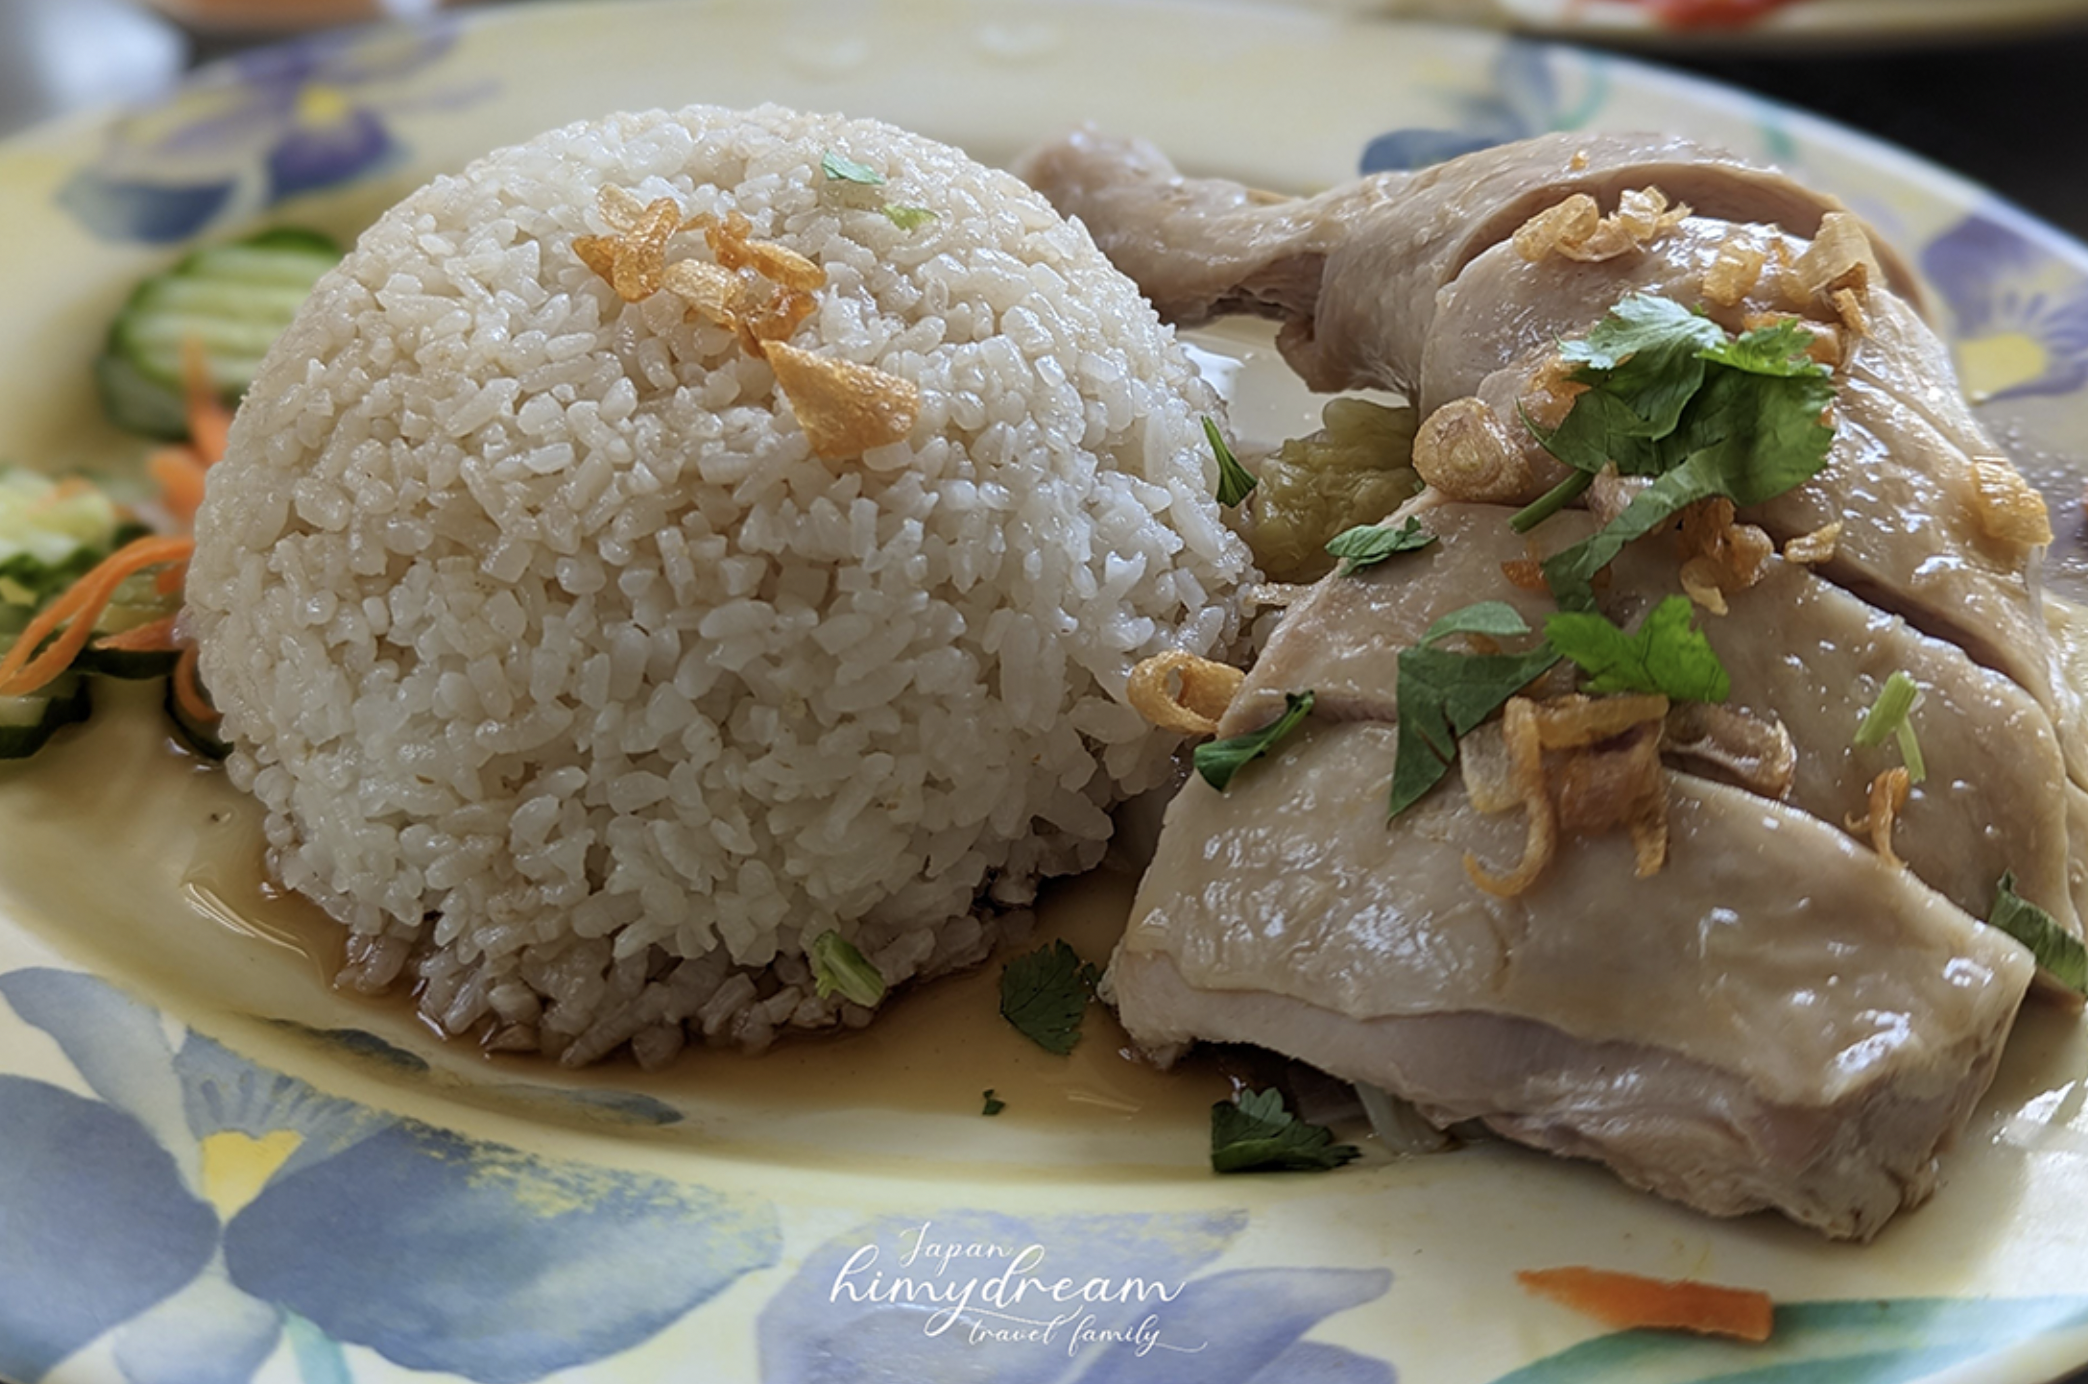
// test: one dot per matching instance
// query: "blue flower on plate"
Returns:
(2021, 311)
(267, 125)
(198, 1209)
(1111, 1299)
(1522, 99)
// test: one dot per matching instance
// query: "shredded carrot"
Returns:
(154, 638)
(208, 418)
(188, 689)
(179, 472)
(26, 668)
(1628, 1301)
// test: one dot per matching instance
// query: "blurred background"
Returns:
(1975, 85)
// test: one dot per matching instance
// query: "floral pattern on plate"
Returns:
(2021, 315)
(202, 1205)
(262, 128)
(173, 1211)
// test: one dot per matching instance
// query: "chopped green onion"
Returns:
(994, 1105)
(846, 170)
(1235, 482)
(839, 969)
(2058, 952)
(908, 218)
(1889, 715)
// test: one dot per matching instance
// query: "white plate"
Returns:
(212, 1167)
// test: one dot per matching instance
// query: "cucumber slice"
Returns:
(49, 534)
(201, 738)
(235, 299)
(137, 602)
(27, 722)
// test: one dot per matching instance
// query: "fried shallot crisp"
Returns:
(1888, 798)
(1180, 691)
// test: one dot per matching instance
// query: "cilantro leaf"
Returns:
(2058, 952)
(1235, 482)
(1256, 1134)
(843, 169)
(1442, 696)
(1219, 760)
(909, 218)
(1367, 545)
(1495, 619)
(993, 1104)
(1045, 993)
(1891, 715)
(1777, 349)
(838, 968)
(1645, 326)
(1644, 362)
(1667, 654)
(1670, 395)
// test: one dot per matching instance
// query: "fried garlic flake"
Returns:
(1811, 549)
(710, 290)
(633, 260)
(1719, 554)
(2009, 507)
(1888, 796)
(1179, 691)
(1735, 270)
(732, 242)
(844, 408)
(1576, 229)
(1569, 222)
(1837, 269)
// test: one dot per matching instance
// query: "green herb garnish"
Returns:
(1235, 482)
(994, 1105)
(1444, 695)
(1045, 993)
(1494, 619)
(839, 969)
(2058, 952)
(1671, 396)
(1891, 715)
(1667, 654)
(1219, 760)
(1367, 545)
(843, 169)
(909, 218)
(1256, 1134)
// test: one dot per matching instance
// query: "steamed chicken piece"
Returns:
(1799, 651)
(1353, 272)
(1712, 1034)
(1412, 282)
(1778, 1018)
(1906, 463)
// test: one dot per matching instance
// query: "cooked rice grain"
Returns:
(584, 694)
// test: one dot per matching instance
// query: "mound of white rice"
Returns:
(582, 691)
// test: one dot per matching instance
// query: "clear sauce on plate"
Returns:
(933, 1048)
